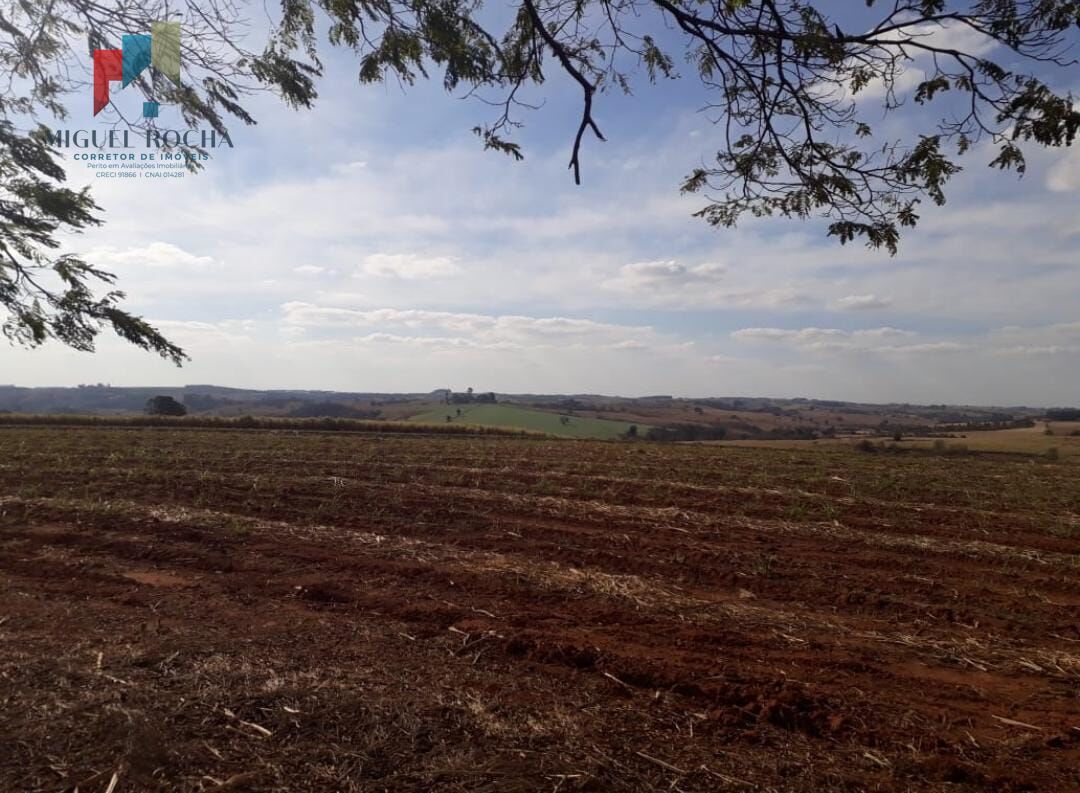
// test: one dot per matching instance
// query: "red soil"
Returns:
(198, 611)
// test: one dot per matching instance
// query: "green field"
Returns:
(526, 419)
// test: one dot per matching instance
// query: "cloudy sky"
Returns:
(371, 245)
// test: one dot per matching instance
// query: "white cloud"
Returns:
(862, 303)
(667, 283)
(826, 339)
(194, 335)
(433, 342)
(409, 266)
(351, 167)
(882, 333)
(1056, 331)
(1064, 175)
(908, 70)
(156, 254)
(486, 328)
(629, 344)
(949, 35)
(1038, 341)
(1012, 341)
(904, 81)
(1035, 343)
(309, 269)
(663, 275)
(1023, 350)
(721, 359)
(800, 336)
(930, 348)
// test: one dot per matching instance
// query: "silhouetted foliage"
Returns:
(164, 406)
(686, 432)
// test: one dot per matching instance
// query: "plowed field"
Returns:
(271, 611)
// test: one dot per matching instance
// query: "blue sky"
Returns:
(372, 245)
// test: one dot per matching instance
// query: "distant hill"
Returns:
(574, 415)
(208, 400)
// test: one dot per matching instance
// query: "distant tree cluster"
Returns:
(164, 406)
(1063, 414)
(686, 432)
(570, 405)
(469, 397)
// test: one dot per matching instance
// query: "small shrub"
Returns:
(765, 565)
(1065, 528)
(1053, 454)
(796, 512)
(829, 511)
(865, 445)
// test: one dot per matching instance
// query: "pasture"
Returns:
(1024, 440)
(197, 610)
(1028, 441)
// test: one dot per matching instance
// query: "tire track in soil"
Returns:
(441, 573)
(866, 596)
(923, 519)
